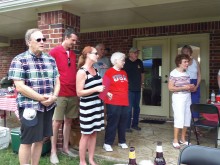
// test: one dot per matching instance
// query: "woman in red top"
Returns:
(116, 102)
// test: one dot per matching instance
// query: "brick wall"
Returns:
(117, 40)
(8, 53)
(121, 40)
(53, 25)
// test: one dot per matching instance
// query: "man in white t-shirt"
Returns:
(103, 63)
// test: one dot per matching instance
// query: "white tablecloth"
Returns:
(9, 104)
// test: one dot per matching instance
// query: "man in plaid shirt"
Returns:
(36, 78)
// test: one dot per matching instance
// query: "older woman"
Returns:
(179, 84)
(88, 86)
(195, 77)
(116, 102)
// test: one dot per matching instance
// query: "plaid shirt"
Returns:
(39, 73)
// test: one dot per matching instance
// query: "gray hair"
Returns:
(187, 47)
(29, 33)
(116, 56)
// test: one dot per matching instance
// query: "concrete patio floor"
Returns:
(144, 142)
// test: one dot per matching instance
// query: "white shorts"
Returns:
(181, 108)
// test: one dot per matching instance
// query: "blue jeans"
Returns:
(134, 101)
(195, 97)
(117, 117)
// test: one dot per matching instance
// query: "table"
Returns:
(8, 104)
(214, 117)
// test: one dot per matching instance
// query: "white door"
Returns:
(158, 55)
(155, 55)
(200, 45)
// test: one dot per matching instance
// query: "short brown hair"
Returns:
(181, 57)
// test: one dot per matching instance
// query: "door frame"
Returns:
(162, 110)
(172, 42)
(203, 40)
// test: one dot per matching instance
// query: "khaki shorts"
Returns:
(67, 107)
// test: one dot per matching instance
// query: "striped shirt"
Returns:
(39, 73)
(179, 78)
(91, 106)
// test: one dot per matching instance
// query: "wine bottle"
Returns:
(159, 159)
(132, 156)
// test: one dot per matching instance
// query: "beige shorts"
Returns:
(67, 107)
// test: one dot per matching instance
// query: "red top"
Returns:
(67, 73)
(118, 87)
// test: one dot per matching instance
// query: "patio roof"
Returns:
(99, 15)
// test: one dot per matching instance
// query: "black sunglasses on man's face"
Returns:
(41, 39)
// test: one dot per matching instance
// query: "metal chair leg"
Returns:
(195, 132)
(189, 137)
(216, 140)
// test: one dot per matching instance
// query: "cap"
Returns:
(29, 117)
(133, 50)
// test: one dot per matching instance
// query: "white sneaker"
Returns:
(123, 145)
(107, 148)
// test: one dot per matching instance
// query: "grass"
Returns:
(8, 157)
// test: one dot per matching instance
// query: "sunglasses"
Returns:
(94, 53)
(69, 63)
(41, 39)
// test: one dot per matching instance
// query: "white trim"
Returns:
(4, 44)
(134, 26)
(12, 5)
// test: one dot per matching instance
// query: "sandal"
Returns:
(69, 153)
(184, 143)
(176, 145)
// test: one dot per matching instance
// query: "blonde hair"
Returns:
(82, 57)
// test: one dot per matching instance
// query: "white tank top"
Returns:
(193, 70)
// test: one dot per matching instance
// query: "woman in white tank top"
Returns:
(195, 76)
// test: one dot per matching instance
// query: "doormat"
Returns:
(152, 121)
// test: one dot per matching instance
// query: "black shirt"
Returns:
(134, 69)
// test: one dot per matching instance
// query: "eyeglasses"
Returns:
(69, 63)
(94, 53)
(41, 39)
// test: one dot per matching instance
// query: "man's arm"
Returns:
(56, 87)
(27, 91)
(218, 79)
(142, 78)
